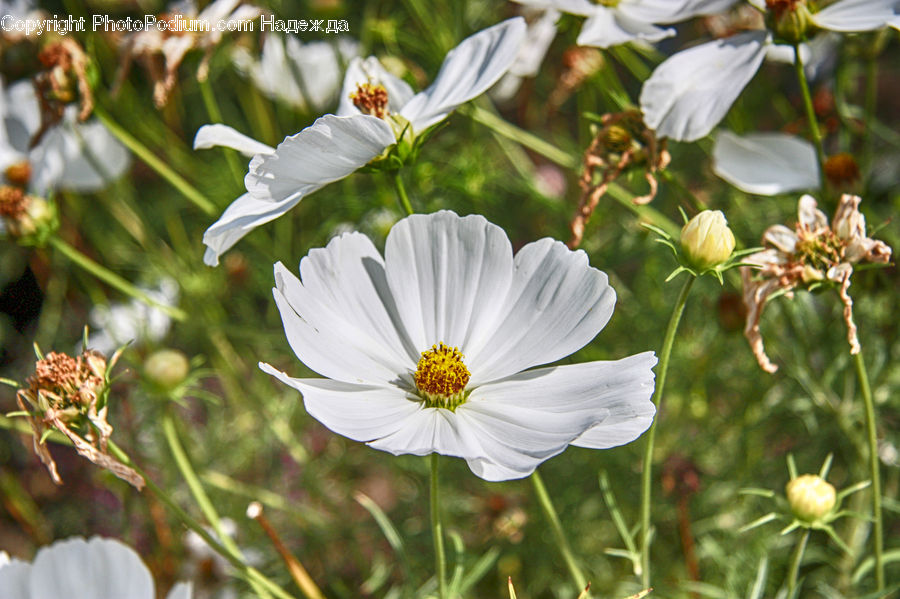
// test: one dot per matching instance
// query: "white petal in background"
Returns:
(468, 71)
(538, 37)
(766, 163)
(689, 93)
(857, 15)
(211, 136)
(608, 27)
(242, 216)
(582, 8)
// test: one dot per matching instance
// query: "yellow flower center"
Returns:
(441, 377)
(371, 99)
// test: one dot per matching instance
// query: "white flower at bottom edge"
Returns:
(427, 349)
(78, 569)
(333, 147)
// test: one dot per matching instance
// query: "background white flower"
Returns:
(364, 322)
(115, 325)
(78, 569)
(766, 163)
(336, 146)
(60, 160)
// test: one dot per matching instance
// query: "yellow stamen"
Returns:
(371, 99)
(441, 377)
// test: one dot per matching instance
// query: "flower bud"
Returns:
(791, 19)
(706, 240)
(166, 368)
(811, 498)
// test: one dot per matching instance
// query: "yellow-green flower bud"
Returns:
(166, 368)
(811, 498)
(791, 20)
(706, 240)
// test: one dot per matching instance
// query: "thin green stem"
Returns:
(437, 530)
(248, 572)
(810, 109)
(215, 115)
(401, 194)
(151, 160)
(874, 473)
(112, 279)
(661, 372)
(794, 570)
(561, 541)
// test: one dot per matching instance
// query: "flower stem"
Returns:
(810, 110)
(558, 534)
(249, 573)
(871, 433)
(665, 354)
(151, 160)
(401, 194)
(437, 530)
(794, 570)
(112, 279)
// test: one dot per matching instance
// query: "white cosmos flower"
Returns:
(429, 348)
(690, 92)
(306, 76)
(335, 146)
(613, 22)
(60, 160)
(115, 325)
(78, 569)
(766, 163)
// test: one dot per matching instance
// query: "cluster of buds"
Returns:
(25, 217)
(810, 256)
(622, 144)
(69, 395)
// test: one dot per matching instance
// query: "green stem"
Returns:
(794, 570)
(151, 160)
(661, 372)
(112, 279)
(870, 106)
(810, 110)
(558, 534)
(248, 572)
(874, 473)
(401, 194)
(215, 115)
(437, 530)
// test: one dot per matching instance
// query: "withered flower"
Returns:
(623, 143)
(63, 81)
(69, 395)
(809, 256)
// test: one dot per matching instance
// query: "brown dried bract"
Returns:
(13, 202)
(624, 142)
(63, 81)
(812, 253)
(66, 394)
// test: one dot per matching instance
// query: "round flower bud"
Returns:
(166, 368)
(811, 498)
(706, 239)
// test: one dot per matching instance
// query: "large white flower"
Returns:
(336, 146)
(428, 349)
(306, 76)
(766, 163)
(613, 22)
(70, 155)
(690, 92)
(78, 569)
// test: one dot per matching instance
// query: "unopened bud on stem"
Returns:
(706, 240)
(811, 498)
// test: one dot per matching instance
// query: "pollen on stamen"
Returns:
(441, 377)
(371, 99)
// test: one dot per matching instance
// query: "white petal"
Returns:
(329, 149)
(358, 412)
(210, 136)
(22, 107)
(583, 8)
(672, 11)
(765, 163)
(468, 71)
(342, 321)
(809, 214)
(448, 275)
(15, 579)
(857, 15)
(318, 67)
(608, 27)
(370, 70)
(242, 216)
(782, 238)
(539, 36)
(556, 304)
(182, 590)
(689, 93)
(96, 568)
